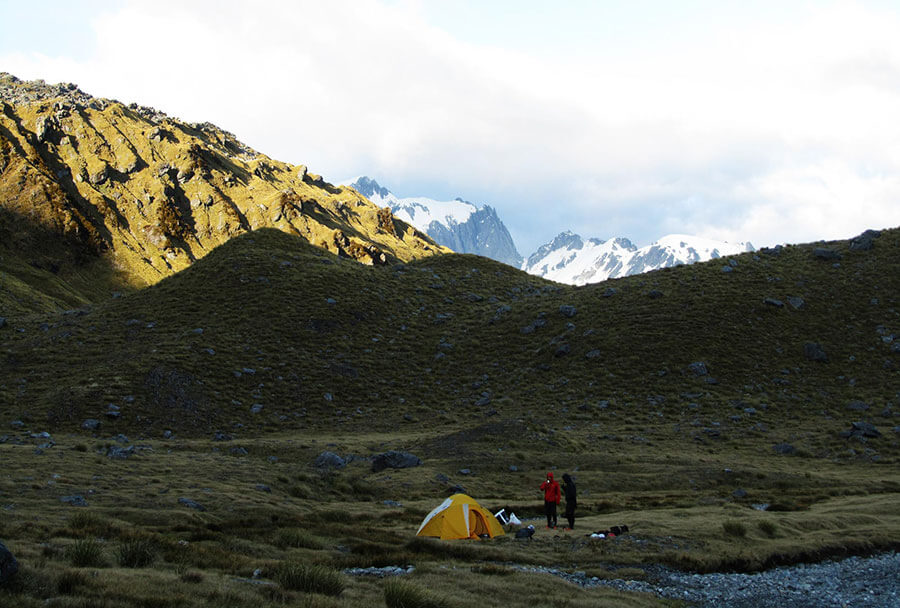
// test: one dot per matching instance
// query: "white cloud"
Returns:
(773, 130)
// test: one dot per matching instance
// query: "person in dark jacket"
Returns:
(571, 499)
(551, 499)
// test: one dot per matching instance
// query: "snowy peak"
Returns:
(370, 189)
(569, 259)
(457, 224)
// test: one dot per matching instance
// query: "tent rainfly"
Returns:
(459, 517)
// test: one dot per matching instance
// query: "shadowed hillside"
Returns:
(779, 347)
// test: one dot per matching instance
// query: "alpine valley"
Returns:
(225, 381)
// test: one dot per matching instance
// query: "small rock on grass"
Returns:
(191, 504)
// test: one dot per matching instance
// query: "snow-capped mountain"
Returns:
(457, 224)
(569, 259)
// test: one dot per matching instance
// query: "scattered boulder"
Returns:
(814, 352)
(861, 430)
(501, 310)
(654, 294)
(220, 436)
(465, 471)
(529, 329)
(797, 303)
(567, 310)
(727, 269)
(865, 241)
(593, 354)
(821, 253)
(2, 322)
(774, 302)
(263, 488)
(119, 453)
(698, 368)
(91, 424)
(8, 564)
(858, 406)
(563, 350)
(329, 460)
(394, 459)
(784, 448)
(76, 500)
(739, 493)
(191, 504)
(610, 292)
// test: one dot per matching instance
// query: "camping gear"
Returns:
(505, 519)
(459, 516)
(613, 532)
(525, 532)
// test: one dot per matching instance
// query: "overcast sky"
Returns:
(773, 122)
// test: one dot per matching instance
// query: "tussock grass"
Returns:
(399, 593)
(734, 528)
(86, 553)
(297, 538)
(309, 578)
(70, 580)
(137, 552)
(90, 523)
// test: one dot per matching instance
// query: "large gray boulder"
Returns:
(814, 352)
(329, 460)
(8, 564)
(394, 459)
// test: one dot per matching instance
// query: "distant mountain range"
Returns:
(568, 258)
(457, 224)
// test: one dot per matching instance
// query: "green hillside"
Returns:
(680, 399)
(462, 339)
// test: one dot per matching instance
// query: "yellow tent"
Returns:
(459, 517)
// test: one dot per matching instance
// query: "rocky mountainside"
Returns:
(457, 224)
(88, 183)
(570, 259)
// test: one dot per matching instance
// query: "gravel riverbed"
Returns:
(871, 582)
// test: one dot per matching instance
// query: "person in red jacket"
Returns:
(551, 499)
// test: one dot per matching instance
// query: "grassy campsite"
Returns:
(160, 447)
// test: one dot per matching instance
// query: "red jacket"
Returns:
(551, 489)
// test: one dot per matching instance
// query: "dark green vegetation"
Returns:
(287, 351)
